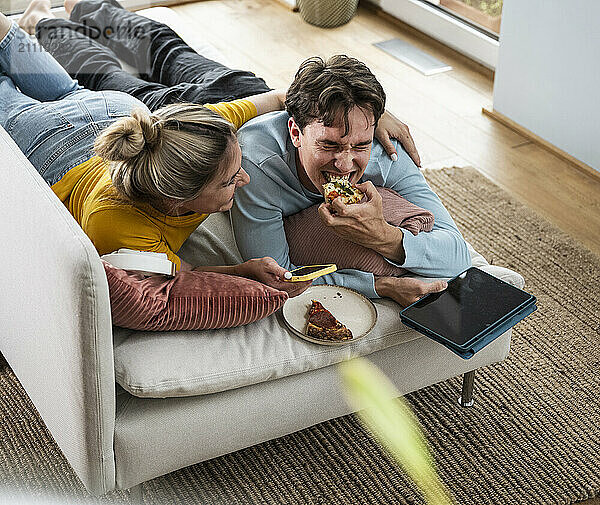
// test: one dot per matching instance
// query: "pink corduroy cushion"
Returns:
(312, 243)
(188, 301)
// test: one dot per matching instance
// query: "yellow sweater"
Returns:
(111, 224)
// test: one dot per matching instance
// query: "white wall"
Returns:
(548, 72)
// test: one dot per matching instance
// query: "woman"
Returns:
(130, 178)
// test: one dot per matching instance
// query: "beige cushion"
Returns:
(188, 363)
(161, 364)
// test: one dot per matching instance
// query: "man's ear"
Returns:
(295, 132)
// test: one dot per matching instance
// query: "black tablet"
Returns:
(472, 307)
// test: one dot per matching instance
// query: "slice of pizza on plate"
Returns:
(322, 324)
(340, 186)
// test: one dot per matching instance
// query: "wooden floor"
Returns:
(443, 111)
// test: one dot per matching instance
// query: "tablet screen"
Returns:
(472, 302)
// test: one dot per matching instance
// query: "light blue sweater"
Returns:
(274, 192)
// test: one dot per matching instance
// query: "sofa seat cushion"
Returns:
(188, 363)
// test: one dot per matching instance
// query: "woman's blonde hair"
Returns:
(171, 154)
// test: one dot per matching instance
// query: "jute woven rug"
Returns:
(533, 435)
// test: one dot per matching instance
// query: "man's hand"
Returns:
(405, 290)
(364, 224)
(389, 127)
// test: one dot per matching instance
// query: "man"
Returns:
(332, 111)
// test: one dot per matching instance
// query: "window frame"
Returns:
(446, 28)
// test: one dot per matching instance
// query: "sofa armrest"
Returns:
(55, 328)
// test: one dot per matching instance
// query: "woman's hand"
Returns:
(281, 93)
(269, 101)
(390, 127)
(265, 270)
(268, 271)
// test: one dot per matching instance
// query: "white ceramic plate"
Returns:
(352, 309)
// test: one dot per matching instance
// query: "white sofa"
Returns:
(240, 386)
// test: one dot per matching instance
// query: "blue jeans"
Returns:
(52, 119)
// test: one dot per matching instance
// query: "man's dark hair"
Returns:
(325, 90)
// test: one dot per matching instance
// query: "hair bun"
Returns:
(150, 125)
(128, 136)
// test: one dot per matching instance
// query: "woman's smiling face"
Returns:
(217, 195)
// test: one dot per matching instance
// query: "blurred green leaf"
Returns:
(382, 409)
(492, 8)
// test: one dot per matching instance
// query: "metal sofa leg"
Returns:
(135, 495)
(466, 398)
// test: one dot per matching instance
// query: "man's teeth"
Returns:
(330, 177)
